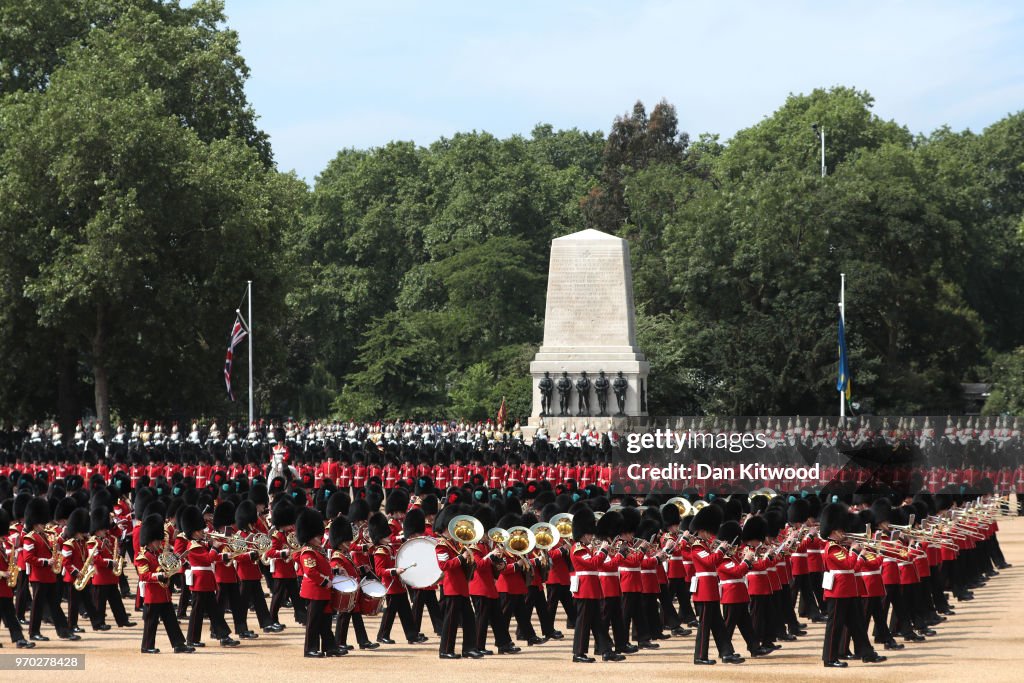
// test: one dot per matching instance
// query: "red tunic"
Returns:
(705, 565)
(732, 581)
(316, 574)
(450, 562)
(38, 554)
(384, 567)
(841, 563)
(201, 559)
(587, 565)
(153, 591)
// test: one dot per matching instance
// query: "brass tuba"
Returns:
(563, 522)
(545, 535)
(521, 541)
(465, 529)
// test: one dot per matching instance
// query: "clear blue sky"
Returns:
(330, 75)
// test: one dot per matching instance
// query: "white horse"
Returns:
(278, 468)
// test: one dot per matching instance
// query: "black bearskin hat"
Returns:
(708, 519)
(833, 517)
(881, 510)
(377, 527)
(776, 520)
(78, 523)
(729, 531)
(65, 506)
(224, 514)
(191, 521)
(99, 519)
(798, 511)
(341, 532)
(755, 529)
(398, 501)
(610, 524)
(152, 529)
(630, 520)
(337, 504)
(583, 523)
(245, 514)
(484, 513)
(415, 523)
(647, 529)
(309, 525)
(429, 504)
(670, 514)
(259, 494)
(284, 514)
(444, 517)
(36, 512)
(358, 511)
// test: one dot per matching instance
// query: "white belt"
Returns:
(888, 559)
(728, 581)
(816, 551)
(588, 573)
(799, 554)
(202, 569)
(757, 573)
(700, 574)
(629, 569)
(842, 571)
(648, 571)
(877, 572)
(607, 573)
(687, 561)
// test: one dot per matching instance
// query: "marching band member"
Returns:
(249, 575)
(608, 528)
(414, 525)
(587, 582)
(340, 538)
(316, 586)
(282, 564)
(483, 590)
(105, 582)
(74, 552)
(755, 531)
(732, 584)
(201, 580)
(704, 587)
(457, 564)
(840, 586)
(38, 547)
(7, 613)
(154, 586)
(383, 555)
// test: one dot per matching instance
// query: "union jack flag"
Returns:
(238, 334)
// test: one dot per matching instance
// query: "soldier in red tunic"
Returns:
(38, 547)
(844, 609)
(383, 558)
(6, 595)
(457, 564)
(587, 564)
(316, 585)
(248, 567)
(704, 587)
(341, 535)
(200, 579)
(74, 552)
(154, 584)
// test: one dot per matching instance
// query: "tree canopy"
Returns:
(138, 194)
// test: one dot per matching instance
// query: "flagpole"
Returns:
(842, 316)
(249, 323)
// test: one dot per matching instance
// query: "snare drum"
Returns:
(343, 597)
(371, 597)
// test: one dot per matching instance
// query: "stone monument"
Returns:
(590, 326)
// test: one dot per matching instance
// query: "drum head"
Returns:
(418, 555)
(374, 589)
(344, 584)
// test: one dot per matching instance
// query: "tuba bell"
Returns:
(521, 541)
(465, 529)
(563, 522)
(497, 535)
(546, 535)
(683, 505)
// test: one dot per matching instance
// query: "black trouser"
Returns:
(488, 613)
(817, 589)
(283, 590)
(397, 603)
(652, 613)
(341, 631)
(152, 615)
(204, 605)
(184, 600)
(634, 617)
(611, 614)
(710, 623)
(680, 590)
(737, 615)
(252, 594)
(558, 593)
(457, 612)
(425, 597)
(318, 627)
(808, 606)
(22, 595)
(845, 618)
(108, 595)
(669, 616)
(515, 605)
(10, 619)
(47, 596)
(760, 607)
(874, 611)
(229, 597)
(537, 602)
(588, 621)
(900, 622)
(785, 606)
(76, 600)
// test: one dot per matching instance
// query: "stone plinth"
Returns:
(590, 325)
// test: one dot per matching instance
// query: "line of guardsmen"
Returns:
(634, 572)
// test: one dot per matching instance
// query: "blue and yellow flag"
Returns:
(843, 382)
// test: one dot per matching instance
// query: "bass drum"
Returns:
(418, 559)
(371, 597)
(344, 595)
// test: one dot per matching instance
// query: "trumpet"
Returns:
(880, 547)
